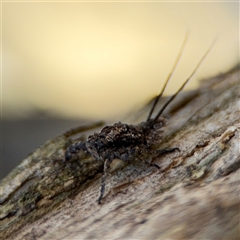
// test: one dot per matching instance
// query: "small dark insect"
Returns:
(129, 142)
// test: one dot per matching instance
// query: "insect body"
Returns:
(128, 142)
(121, 141)
(124, 142)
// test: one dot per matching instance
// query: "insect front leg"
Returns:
(93, 150)
(168, 150)
(104, 176)
(158, 152)
(148, 163)
(152, 164)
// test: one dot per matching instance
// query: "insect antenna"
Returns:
(169, 76)
(186, 81)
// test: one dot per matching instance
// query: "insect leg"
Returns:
(152, 164)
(93, 151)
(105, 169)
(160, 152)
(169, 150)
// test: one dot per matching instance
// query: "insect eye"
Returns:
(100, 143)
(158, 125)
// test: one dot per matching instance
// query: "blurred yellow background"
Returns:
(100, 60)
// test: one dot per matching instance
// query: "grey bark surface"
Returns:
(195, 194)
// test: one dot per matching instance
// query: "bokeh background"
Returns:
(65, 63)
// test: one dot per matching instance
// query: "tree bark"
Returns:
(194, 195)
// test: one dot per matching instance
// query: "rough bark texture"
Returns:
(195, 194)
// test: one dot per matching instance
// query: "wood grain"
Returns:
(195, 194)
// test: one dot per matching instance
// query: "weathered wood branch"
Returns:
(195, 194)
